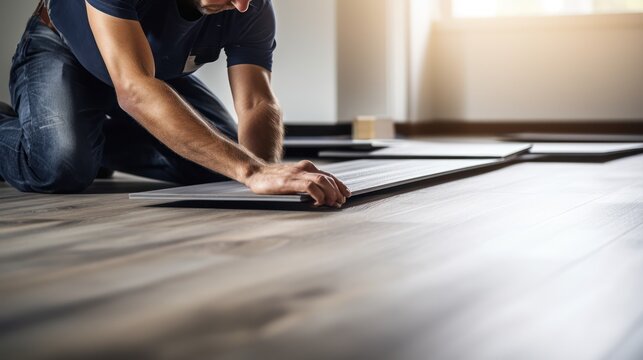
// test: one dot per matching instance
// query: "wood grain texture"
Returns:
(536, 260)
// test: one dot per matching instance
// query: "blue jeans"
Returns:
(69, 124)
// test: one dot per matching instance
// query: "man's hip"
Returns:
(43, 14)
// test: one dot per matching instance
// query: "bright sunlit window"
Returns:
(494, 8)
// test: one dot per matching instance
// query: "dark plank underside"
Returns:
(539, 260)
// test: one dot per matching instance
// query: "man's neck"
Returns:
(188, 10)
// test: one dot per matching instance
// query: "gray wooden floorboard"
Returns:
(537, 260)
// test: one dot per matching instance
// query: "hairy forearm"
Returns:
(171, 120)
(261, 131)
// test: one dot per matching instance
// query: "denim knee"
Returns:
(62, 170)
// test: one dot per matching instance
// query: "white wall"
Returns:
(372, 58)
(361, 32)
(13, 18)
(563, 68)
(420, 57)
(305, 66)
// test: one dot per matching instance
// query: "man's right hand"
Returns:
(302, 177)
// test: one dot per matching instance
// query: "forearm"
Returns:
(171, 120)
(261, 131)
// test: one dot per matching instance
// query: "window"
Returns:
(495, 8)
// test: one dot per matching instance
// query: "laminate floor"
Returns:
(534, 260)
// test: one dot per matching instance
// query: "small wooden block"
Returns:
(372, 127)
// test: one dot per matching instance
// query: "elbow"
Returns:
(265, 105)
(129, 94)
(276, 114)
(271, 110)
(274, 117)
(267, 112)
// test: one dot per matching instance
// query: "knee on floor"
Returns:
(62, 170)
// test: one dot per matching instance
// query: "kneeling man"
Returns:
(108, 83)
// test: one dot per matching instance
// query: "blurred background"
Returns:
(422, 61)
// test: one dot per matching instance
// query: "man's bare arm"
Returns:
(158, 108)
(260, 117)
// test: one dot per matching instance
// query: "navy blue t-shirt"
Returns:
(179, 46)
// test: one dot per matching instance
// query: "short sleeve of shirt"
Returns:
(253, 39)
(123, 9)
